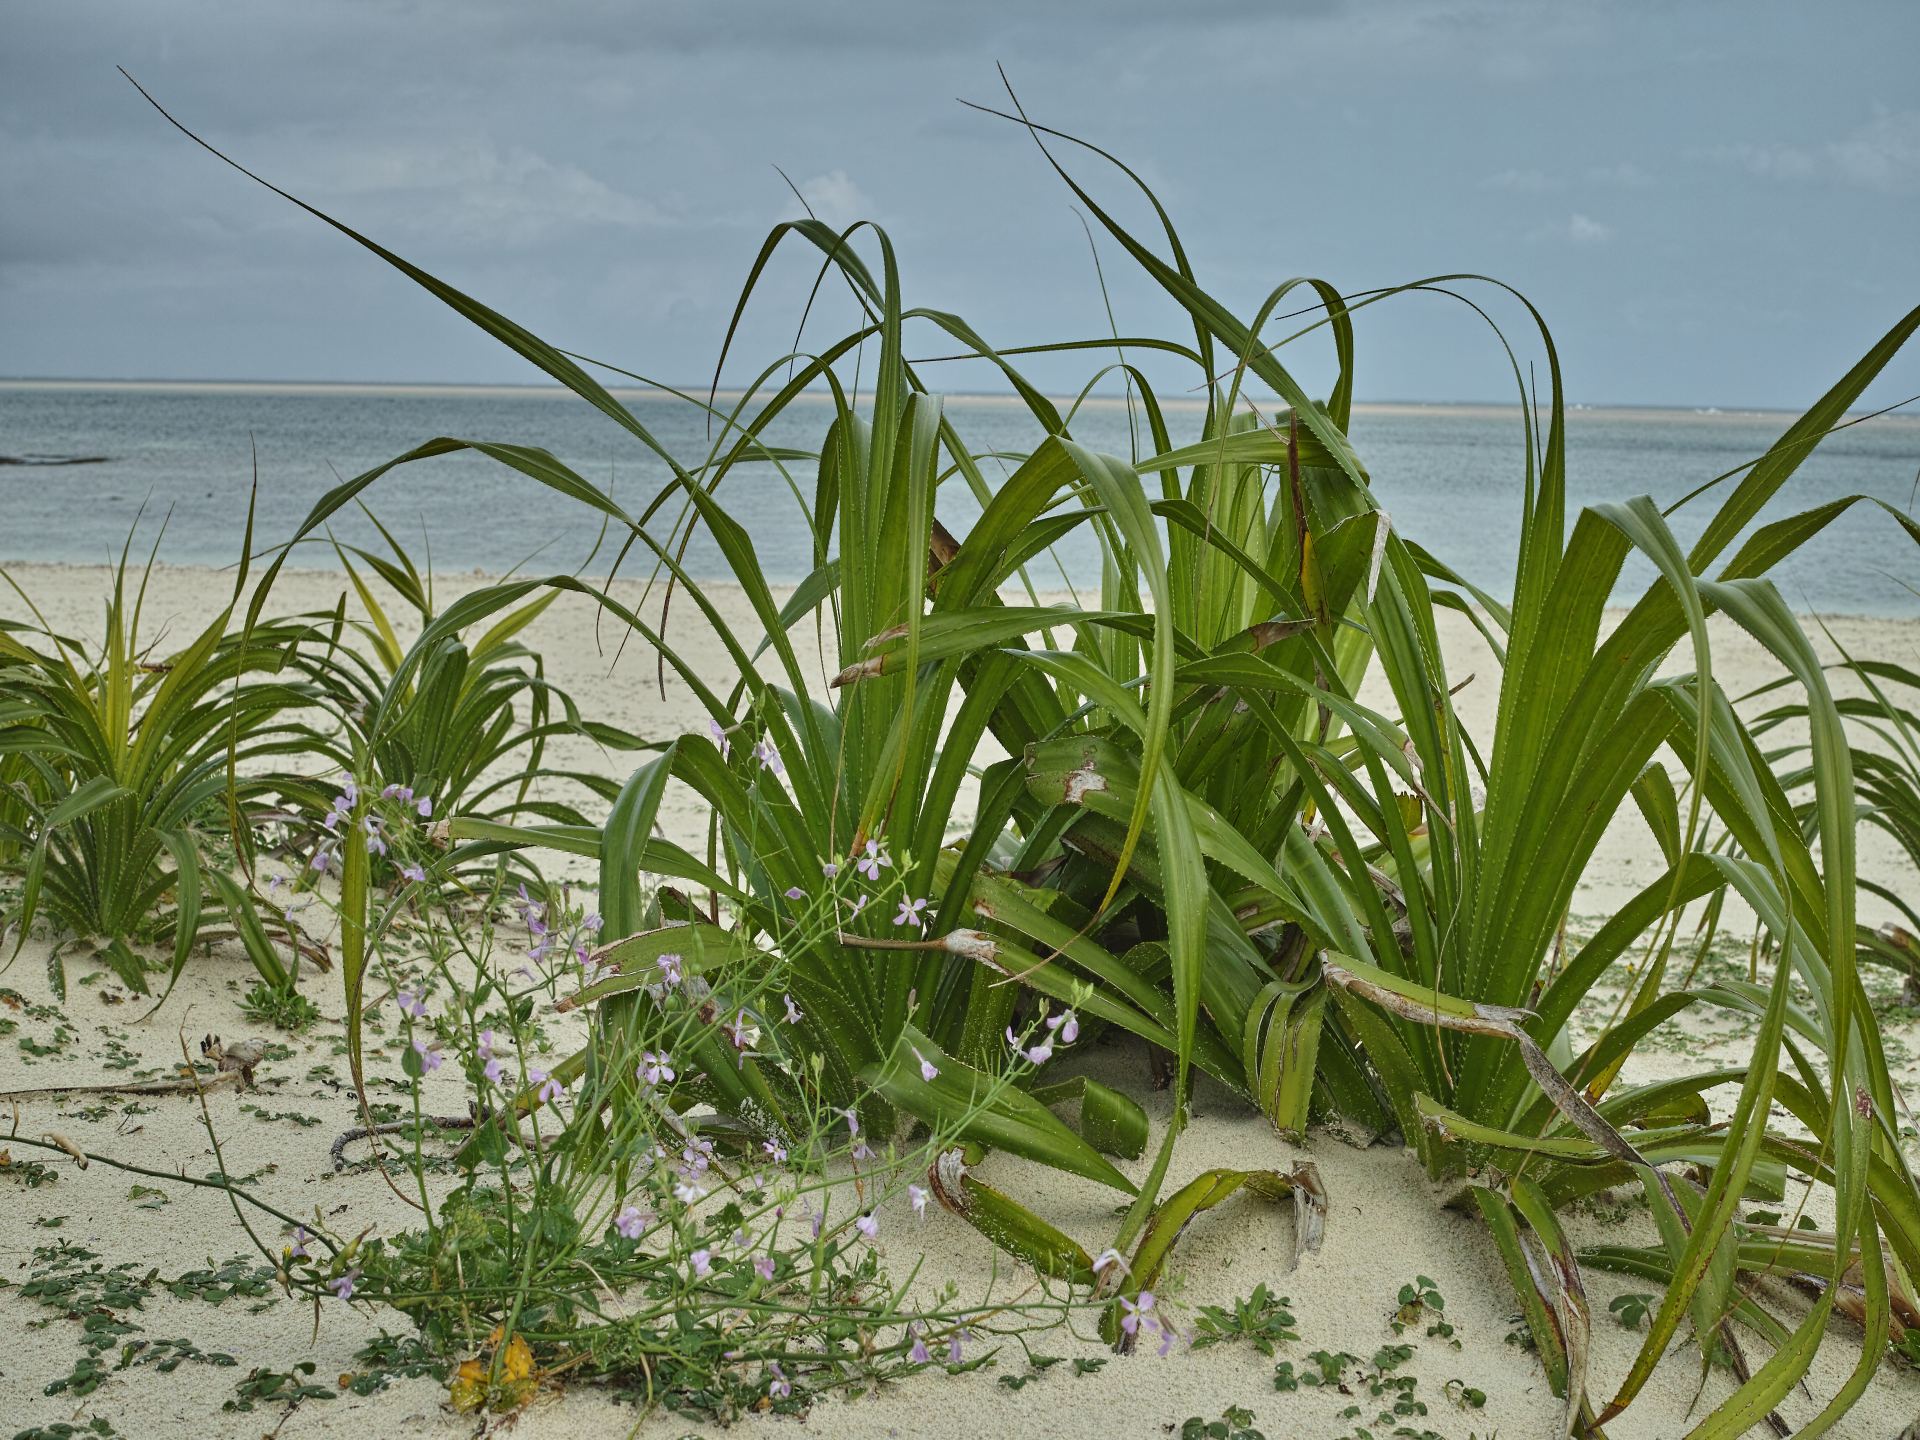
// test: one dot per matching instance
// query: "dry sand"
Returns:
(1384, 1224)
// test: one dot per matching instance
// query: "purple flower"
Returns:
(411, 1004)
(655, 1067)
(429, 1059)
(300, 1238)
(918, 1354)
(917, 1197)
(669, 968)
(910, 912)
(1111, 1257)
(1167, 1336)
(702, 1262)
(322, 858)
(829, 869)
(1066, 1027)
(1136, 1310)
(794, 892)
(779, 1387)
(853, 1121)
(495, 1071)
(550, 1088)
(416, 873)
(742, 1033)
(630, 1222)
(720, 739)
(953, 1345)
(342, 1285)
(775, 1151)
(765, 752)
(794, 1013)
(425, 807)
(763, 1267)
(867, 1226)
(861, 1152)
(687, 1193)
(593, 924)
(1038, 1055)
(870, 863)
(928, 1070)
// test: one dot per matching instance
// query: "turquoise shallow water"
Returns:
(1450, 477)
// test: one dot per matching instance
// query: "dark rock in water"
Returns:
(55, 459)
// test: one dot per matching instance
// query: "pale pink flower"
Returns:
(630, 1222)
(1036, 1055)
(871, 862)
(1136, 1311)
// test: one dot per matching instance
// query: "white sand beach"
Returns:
(1385, 1224)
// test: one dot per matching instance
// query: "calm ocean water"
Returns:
(1450, 478)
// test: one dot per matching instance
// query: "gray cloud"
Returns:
(604, 171)
(1883, 154)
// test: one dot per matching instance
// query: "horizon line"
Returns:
(507, 388)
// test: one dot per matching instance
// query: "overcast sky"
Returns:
(1712, 203)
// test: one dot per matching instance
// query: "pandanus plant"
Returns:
(831, 804)
(1434, 921)
(460, 719)
(126, 763)
(1199, 834)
